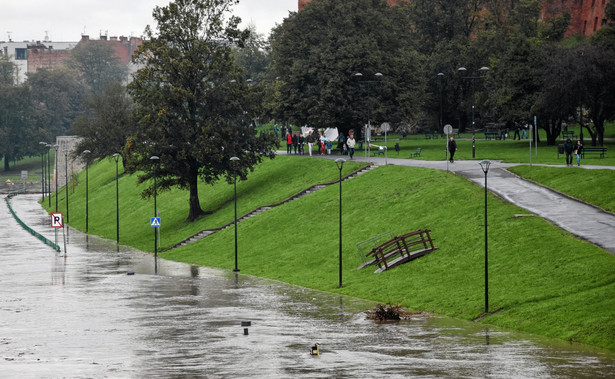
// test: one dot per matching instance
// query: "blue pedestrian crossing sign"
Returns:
(155, 222)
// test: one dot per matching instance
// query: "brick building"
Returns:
(29, 56)
(587, 16)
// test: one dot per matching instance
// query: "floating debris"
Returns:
(388, 312)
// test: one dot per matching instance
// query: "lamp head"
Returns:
(485, 165)
(340, 163)
(234, 159)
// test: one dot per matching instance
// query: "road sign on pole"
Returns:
(154, 222)
(57, 220)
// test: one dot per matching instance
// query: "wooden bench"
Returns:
(417, 153)
(593, 150)
(431, 135)
(492, 135)
(401, 249)
(376, 149)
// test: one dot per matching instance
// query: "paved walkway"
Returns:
(589, 222)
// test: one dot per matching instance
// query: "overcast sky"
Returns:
(66, 20)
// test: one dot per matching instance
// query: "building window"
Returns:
(21, 54)
(595, 24)
(584, 26)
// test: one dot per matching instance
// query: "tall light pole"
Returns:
(49, 147)
(116, 156)
(485, 166)
(440, 77)
(43, 144)
(340, 164)
(359, 76)
(66, 180)
(234, 160)
(155, 159)
(472, 79)
(87, 163)
(55, 169)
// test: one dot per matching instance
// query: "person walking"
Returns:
(568, 149)
(578, 148)
(295, 140)
(350, 142)
(452, 147)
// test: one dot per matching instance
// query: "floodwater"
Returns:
(87, 316)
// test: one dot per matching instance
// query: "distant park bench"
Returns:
(399, 250)
(377, 149)
(568, 134)
(431, 134)
(492, 135)
(593, 150)
(417, 153)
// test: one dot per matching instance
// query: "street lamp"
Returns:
(66, 180)
(472, 79)
(55, 169)
(155, 160)
(87, 163)
(440, 77)
(49, 147)
(359, 76)
(116, 156)
(234, 160)
(485, 166)
(43, 144)
(340, 163)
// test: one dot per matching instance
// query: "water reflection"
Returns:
(177, 320)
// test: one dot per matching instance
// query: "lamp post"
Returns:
(234, 160)
(66, 180)
(87, 163)
(116, 156)
(440, 76)
(42, 144)
(485, 166)
(155, 159)
(472, 79)
(359, 76)
(55, 169)
(340, 164)
(49, 147)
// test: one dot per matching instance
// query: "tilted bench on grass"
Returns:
(400, 249)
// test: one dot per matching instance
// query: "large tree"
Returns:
(97, 64)
(317, 52)
(190, 113)
(107, 122)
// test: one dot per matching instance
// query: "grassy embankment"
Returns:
(542, 279)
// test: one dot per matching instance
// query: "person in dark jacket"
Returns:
(295, 140)
(568, 149)
(452, 147)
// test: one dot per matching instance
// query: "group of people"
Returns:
(573, 149)
(296, 141)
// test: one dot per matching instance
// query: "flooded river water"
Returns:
(87, 315)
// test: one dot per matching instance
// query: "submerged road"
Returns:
(109, 311)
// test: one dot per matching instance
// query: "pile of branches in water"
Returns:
(388, 312)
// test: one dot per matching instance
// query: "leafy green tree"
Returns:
(107, 123)
(17, 134)
(57, 99)
(97, 63)
(317, 52)
(190, 114)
